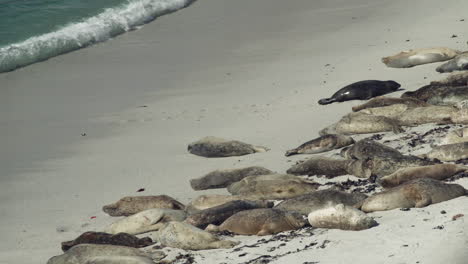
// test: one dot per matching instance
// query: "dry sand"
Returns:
(246, 70)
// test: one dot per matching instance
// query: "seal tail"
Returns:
(326, 101)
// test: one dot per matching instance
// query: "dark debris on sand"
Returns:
(457, 176)
(360, 185)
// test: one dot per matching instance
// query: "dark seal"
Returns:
(362, 90)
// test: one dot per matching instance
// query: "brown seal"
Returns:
(416, 193)
(133, 204)
(261, 222)
(212, 147)
(223, 178)
(437, 171)
(322, 144)
(329, 167)
(120, 239)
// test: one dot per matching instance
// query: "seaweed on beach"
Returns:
(360, 185)
(457, 176)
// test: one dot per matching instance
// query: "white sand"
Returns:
(246, 70)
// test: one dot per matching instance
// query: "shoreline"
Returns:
(214, 68)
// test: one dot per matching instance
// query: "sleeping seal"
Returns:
(416, 193)
(213, 147)
(362, 90)
(360, 123)
(261, 222)
(456, 136)
(92, 253)
(413, 57)
(310, 202)
(223, 178)
(133, 204)
(120, 239)
(387, 101)
(321, 144)
(341, 217)
(450, 152)
(459, 63)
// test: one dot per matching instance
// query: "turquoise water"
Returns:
(35, 30)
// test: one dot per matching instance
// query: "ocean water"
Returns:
(35, 30)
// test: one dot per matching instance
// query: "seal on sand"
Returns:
(185, 236)
(341, 217)
(359, 123)
(212, 147)
(261, 222)
(223, 178)
(273, 186)
(120, 239)
(414, 57)
(362, 90)
(217, 215)
(133, 204)
(437, 171)
(206, 201)
(450, 152)
(320, 166)
(145, 221)
(387, 101)
(322, 144)
(459, 63)
(92, 253)
(317, 200)
(456, 136)
(416, 193)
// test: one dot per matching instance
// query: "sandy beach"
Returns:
(86, 128)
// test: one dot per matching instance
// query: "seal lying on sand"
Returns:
(108, 254)
(414, 57)
(206, 201)
(185, 236)
(456, 136)
(133, 204)
(322, 144)
(261, 222)
(217, 215)
(320, 166)
(366, 148)
(212, 147)
(273, 186)
(437, 171)
(387, 101)
(223, 178)
(416, 193)
(450, 96)
(145, 221)
(362, 90)
(359, 123)
(454, 79)
(317, 200)
(450, 152)
(121, 239)
(459, 63)
(341, 217)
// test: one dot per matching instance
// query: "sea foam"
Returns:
(109, 23)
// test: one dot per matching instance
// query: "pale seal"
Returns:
(120, 239)
(362, 90)
(101, 254)
(206, 201)
(459, 63)
(387, 101)
(185, 236)
(145, 221)
(414, 57)
(456, 136)
(273, 186)
(223, 178)
(217, 215)
(450, 96)
(310, 202)
(359, 123)
(133, 204)
(261, 222)
(450, 152)
(212, 147)
(341, 217)
(322, 144)
(416, 193)
(437, 171)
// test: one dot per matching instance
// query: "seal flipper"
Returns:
(291, 152)
(326, 101)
